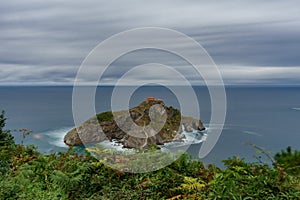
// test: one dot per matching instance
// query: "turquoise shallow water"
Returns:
(266, 116)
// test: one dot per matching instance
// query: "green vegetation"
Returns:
(5, 137)
(135, 160)
(105, 116)
(289, 160)
(27, 174)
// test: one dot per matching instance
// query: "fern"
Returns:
(192, 185)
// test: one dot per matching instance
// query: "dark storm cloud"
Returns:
(44, 42)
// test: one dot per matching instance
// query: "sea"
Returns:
(266, 116)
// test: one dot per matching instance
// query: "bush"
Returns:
(5, 137)
(289, 160)
(27, 174)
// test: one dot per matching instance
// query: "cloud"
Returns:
(232, 75)
(33, 75)
(51, 39)
(261, 75)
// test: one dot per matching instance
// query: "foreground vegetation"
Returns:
(27, 174)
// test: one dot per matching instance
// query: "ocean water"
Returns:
(266, 116)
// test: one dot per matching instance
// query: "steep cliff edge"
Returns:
(89, 132)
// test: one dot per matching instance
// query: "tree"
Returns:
(5, 137)
(289, 160)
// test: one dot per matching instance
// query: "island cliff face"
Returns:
(89, 132)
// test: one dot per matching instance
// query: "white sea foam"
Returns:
(252, 133)
(194, 137)
(113, 145)
(298, 109)
(57, 136)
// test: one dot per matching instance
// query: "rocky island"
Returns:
(147, 112)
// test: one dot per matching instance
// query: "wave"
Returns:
(252, 133)
(298, 109)
(195, 137)
(57, 136)
(113, 145)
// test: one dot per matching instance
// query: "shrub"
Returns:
(289, 160)
(5, 137)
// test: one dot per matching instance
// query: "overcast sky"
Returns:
(252, 42)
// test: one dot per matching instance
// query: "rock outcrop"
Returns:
(148, 124)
